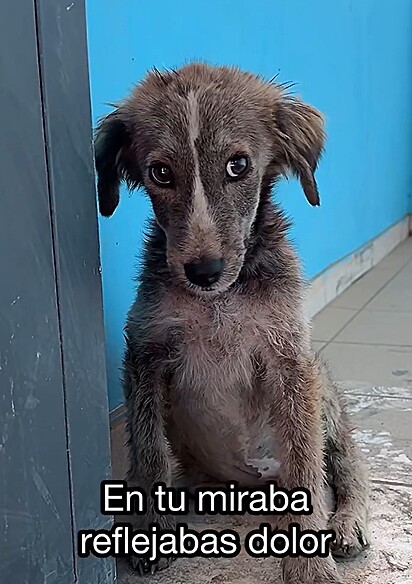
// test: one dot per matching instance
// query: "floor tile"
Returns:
(383, 430)
(395, 296)
(366, 388)
(374, 364)
(375, 415)
(378, 328)
(388, 459)
(398, 258)
(404, 248)
(363, 290)
(388, 561)
(407, 269)
(329, 321)
(317, 345)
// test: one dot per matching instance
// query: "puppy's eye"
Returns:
(161, 174)
(237, 167)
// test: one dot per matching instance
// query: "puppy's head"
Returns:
(202, 141)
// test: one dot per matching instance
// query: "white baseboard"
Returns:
(335, 279)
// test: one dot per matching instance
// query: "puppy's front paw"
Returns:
(145, 568)
(352, 536)
(310, 571)
(140, 564)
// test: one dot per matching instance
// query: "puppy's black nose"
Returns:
(204, 273)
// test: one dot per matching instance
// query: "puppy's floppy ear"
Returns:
(300, 129)
(113, 159)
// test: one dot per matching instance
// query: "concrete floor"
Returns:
(366, 334)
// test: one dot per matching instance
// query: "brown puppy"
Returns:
(219, 372)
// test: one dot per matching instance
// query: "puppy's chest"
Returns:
(216, 340)
(221, 329)
(213, 337)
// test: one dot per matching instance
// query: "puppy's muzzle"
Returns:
(204, 272)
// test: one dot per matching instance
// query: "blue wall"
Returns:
(351, 58)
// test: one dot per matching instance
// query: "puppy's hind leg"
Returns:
(347, 476)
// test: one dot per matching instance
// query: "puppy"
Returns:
(219, 372)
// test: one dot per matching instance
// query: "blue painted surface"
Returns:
(351, 58)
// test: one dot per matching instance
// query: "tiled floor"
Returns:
(366, 335)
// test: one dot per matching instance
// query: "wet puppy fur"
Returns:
(219, 372)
